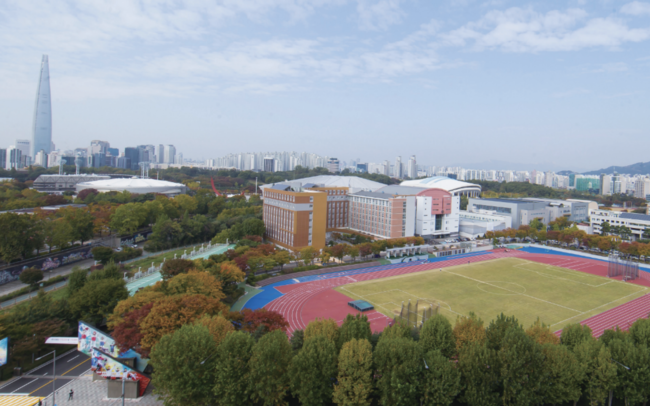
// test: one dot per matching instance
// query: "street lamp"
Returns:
(53, 373)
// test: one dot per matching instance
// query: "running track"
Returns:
(304, 299)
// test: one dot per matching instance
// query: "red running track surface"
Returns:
(622, 316)
(304, 302)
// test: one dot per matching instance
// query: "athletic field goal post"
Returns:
(618, 266)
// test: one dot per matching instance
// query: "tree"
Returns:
(97, 299)
(76, 280)
(640, 332)
(81, 222)
(542, 333)
(354, 252)
(339, 251)
(605, 228)
(397, 330)
(20, 236)
(574, 334)
(354, 385)
(564, 375)
(128, 218)
(601, 376)
(441, 380)
(102, 254)
(194, 283)
(269, 320)
(232, 386)
(253, 226)
(186, 203)
(399, 365)
(324, 327)
(521, 362)
(218, 326)
(175, 267)
(31, 276)
(269, 366)
(354, 327)
(468, 329)
(633, 379)
(308, 254)
(282, 258)
(313, 371)
(297, 340)
(85, 193)
(127, 334)
(496, 331)
(480, 375)
(365, 249)
(179, 374)
(437, 334)
(170, 313)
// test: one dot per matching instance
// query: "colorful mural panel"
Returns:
(90, 338)
(4, 351)
(108, 367)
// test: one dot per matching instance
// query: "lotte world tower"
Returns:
(42, 136)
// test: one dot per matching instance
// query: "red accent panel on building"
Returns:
(440, 200)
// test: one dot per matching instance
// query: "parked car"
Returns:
(118, 249)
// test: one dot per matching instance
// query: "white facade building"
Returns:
(637, 223)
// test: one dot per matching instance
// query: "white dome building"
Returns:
(453, 186)
(134, 185)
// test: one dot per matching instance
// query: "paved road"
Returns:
(39, 381)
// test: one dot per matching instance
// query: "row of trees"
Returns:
(435, 365)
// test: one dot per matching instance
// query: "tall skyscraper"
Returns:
(161, 154)
(42, 135)
(170, 154)
(398, 168)
(24, 147)
(412, 168)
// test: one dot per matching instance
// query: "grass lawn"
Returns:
(514, 286)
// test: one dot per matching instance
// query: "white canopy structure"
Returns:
(134, 185)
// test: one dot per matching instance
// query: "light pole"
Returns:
(611, 392)
(53, 373)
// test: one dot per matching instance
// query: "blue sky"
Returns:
(542, 84)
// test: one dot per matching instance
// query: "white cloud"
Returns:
(636, 8)
(524, 30)
(374, 15)
(613, 67)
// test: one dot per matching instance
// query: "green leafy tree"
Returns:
(602, 377)
(175, 267)
(521, 362)
(354, 385)
(399, 365)
(20, 236)
(282, 258)
(441, 380)
(574, 334)
(633, 371)
(232, 386)
(640, 332)
(354, 327)
(480, 375)
(536, 224)
(253, 226)
(313, 371)
(128, 218)
(76, 280)
(397, 330)
(564, 375)
(605, 228)
(97, 299)
(269, 366)
(179, 374)
(31, 276)
(297, 340)
(81, 221)
(437, 334)
(102, 254)
(496, 331)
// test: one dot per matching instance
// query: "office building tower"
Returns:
(333, 165)
(642, 187)
(113, 152)
(605, 184)
(99, 147)
(24, 147)
(133, 155)
(170, 154)
(161, 154)
(147, 153)
(179, 158)
(42, 130)
(123, 162)
(14, 157)
(3, 158)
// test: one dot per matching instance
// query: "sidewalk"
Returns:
(28, 296)
(63, 270)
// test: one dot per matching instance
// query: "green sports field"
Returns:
(513, 286)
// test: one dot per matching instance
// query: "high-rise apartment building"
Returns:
(412, 170)
(41, 159)
(3, 158)
(642, 187)
(605, 184)
(14, 157)
(397, 171)
(42, 129)
(269, 164)
(161, 154)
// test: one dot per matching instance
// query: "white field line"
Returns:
(521, 266)
(522, 294)
(598, 307)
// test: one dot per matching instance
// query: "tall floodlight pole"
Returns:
(53, 372)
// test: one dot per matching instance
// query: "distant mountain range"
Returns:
(640, 168)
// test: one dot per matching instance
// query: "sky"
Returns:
(526, 84)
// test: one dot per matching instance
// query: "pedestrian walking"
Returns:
(71, 394)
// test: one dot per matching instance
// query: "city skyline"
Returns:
(546, 84)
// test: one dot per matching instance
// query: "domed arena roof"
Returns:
(441, 182)
(134, 185)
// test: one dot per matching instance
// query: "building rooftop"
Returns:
(635, 216)
(354, 183)
(442, 182)
(401, 190)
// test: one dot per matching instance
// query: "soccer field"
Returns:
(514, 286)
